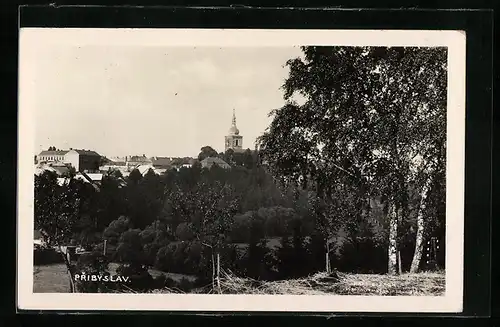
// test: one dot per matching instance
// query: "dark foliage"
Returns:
(43, 256)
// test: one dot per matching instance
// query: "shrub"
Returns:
(165, 258)
(110, 251)
(130, 248)
(256, 263)
(139, 277)
(316, 253)
(184, 232)
(363, 255)
(91, 264)
(116, 228)
(160, 281)
(44, 256)
(185, 285)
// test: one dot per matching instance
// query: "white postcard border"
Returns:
(32, 38)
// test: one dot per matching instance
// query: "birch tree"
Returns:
(215, 205)
(363, 122)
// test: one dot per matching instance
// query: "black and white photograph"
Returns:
(264, 170)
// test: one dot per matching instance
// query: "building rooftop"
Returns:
(58, 169)
(214, 160)
(161, 161)
(86, 152)
(53, 153)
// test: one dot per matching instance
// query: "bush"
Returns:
(91, 264)
(316, 253)
(257, 261)
(139, 277)
(160, 281)
(184, 232)
(130, 248)
(165, 258)
(111, 253)
(116, 228)
(363, 255)
(185, 285)
(44, 256)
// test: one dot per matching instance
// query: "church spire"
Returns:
(234, 140)
(234, 118)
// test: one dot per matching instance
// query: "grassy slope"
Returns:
(425, 283)
(51, 279)
(54, 278)
(155, 273)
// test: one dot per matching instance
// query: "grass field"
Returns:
(54, 278)
(51, 279)
(155, 273)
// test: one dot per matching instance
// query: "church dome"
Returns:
(234, 130)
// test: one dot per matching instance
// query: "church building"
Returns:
(234, 140)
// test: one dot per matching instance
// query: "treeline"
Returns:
(176, 221)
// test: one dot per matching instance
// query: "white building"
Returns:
(52, 156)
(83, 160)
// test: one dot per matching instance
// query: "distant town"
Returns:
(90, 166)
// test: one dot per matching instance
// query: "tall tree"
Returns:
(206, 152)
(57, 211)
(56, 208)
(363, 128)
(216, 204)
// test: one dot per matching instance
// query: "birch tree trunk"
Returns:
(419, 238)
(218, 272)
(213, 271)
(400, 267)
(327, 258)
(393, 246)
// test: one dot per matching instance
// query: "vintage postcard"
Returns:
(241, 170)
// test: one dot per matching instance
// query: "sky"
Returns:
(156, 101)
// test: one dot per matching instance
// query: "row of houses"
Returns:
(63, 178)
(88, 169)
(160, 165)
(57, 163)
(81, 160)
(156, 162)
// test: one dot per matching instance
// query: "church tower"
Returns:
(234, 140)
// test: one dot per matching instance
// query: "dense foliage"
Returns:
(260, 228)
